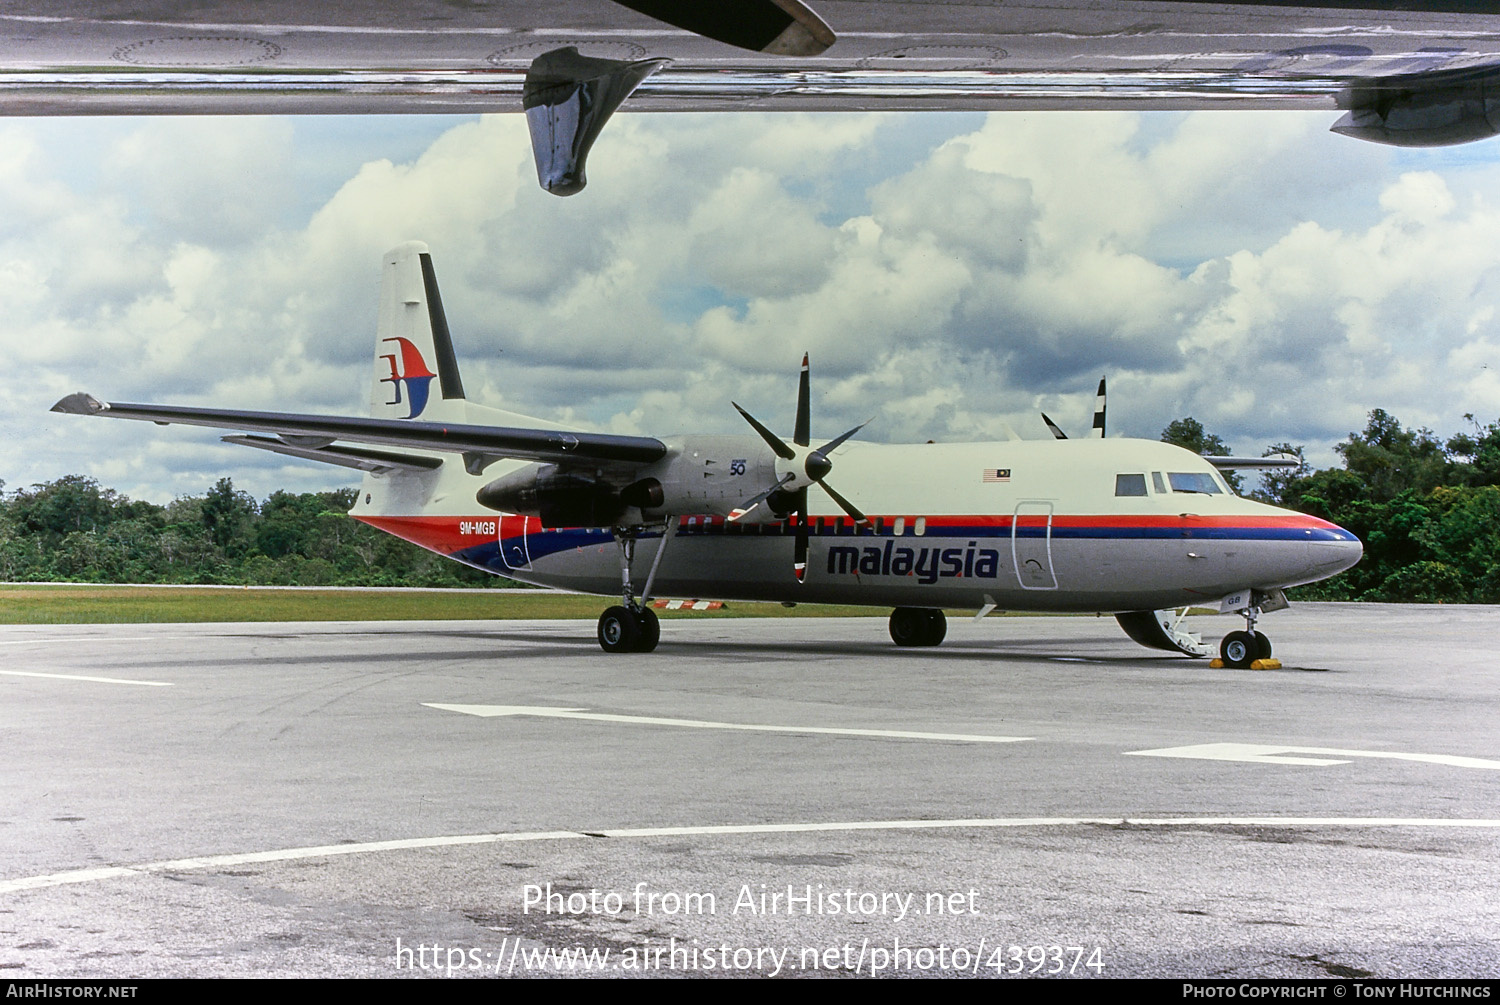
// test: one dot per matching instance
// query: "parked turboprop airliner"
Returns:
(1131, 527)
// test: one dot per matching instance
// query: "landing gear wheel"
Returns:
(908, 624)
(937, 628)
(650, 631)
(1239, 649)
(619, 631)
(918, 626)
(1262, 646)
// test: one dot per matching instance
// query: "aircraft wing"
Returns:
(1405, 72)
(313, 436)
(70, 57)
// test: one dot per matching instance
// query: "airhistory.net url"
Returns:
(512, 956)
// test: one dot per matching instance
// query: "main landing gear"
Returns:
(918, 626)
(633, 627)
(627, 630)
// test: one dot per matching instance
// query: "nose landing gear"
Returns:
(1240, 649)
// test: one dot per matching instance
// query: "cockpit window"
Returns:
(1194, 481)
(1130, 485)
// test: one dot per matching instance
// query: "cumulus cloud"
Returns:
(1247, 269)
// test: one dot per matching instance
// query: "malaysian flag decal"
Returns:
(996, 475)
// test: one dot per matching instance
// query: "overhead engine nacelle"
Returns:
(1423, 109)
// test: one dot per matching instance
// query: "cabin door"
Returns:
(1031, 545)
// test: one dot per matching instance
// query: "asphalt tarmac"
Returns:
(757, 797)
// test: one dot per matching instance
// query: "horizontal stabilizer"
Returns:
(558, 446)
(375, 461)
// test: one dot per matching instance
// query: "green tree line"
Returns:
(74, 530)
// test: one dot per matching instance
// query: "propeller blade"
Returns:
(803, 431)
(749, 504)
(1098, 432)
(799, 556)
(1056, 430)
(844, 504)
(772, 440)
(825, 448)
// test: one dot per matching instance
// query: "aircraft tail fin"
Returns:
(416, 372)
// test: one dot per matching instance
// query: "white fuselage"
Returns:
(1096, 525)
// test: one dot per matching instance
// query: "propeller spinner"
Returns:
(799, 466)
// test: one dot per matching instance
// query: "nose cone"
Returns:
(1332, 550)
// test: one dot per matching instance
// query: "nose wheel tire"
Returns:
(1240, 649)
(918, 626)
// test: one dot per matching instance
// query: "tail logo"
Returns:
(410, 369)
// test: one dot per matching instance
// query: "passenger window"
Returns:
(1201, 482)
(1158, 483)
(1130, 485)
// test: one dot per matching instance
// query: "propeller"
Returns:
(1098, 430)
(799, 467)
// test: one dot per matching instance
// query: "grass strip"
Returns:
(94, 604)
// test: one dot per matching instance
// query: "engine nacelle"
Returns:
(561, 498)
(702, 474)
(1423, 110)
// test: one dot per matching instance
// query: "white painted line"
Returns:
(488, 711)
(1260, 753)
(98, 874)
(96, 680)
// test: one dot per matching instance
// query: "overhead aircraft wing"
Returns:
(1408, 71)
(307, 435)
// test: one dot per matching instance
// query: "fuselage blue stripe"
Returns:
(544, 543)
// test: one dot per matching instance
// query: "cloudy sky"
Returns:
(951, 275)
